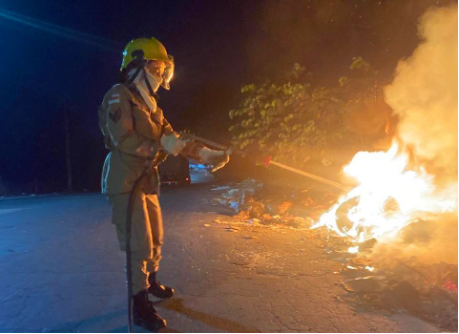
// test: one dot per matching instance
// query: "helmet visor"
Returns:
(168, 73)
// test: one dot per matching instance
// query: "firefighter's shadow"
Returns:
(229, 326)
(107, 323)
(93, 324)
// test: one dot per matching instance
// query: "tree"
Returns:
(297, 122)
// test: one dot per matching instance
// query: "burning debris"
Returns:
(388, 198)
(273, 205)
(407, 197)
(373, 281)
(415, 181)
(396, 230)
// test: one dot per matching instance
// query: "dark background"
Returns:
(60, 57)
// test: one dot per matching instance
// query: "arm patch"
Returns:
(115, 116)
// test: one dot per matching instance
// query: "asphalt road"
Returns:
(61, 271)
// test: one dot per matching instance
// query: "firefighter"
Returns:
(139, 138)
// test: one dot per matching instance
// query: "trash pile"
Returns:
(427, 291)
(274, 205)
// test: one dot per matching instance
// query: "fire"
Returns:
(353, 250)
(389, 196)
(450, 286)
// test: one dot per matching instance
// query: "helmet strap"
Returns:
(132, 78)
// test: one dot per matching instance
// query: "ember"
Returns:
(450, 286)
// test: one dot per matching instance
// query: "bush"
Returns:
(297, 122)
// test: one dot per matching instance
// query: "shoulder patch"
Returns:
(115, 116)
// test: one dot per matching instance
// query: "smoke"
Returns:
(429, 241)
(424, 95)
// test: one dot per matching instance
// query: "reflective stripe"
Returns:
(113, 101)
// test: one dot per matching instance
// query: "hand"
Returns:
(172, 143)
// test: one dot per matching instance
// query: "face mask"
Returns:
(167, 73)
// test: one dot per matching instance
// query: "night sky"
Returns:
(63, 65)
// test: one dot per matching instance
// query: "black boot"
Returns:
(144, 313)
(157, 289)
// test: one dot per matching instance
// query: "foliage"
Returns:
(295, 120)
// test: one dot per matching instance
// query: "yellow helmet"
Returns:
(144, 49)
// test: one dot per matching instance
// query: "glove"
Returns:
(172, 143)
(216, 158)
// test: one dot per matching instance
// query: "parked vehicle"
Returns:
(175, 170)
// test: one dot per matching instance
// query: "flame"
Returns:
(389, 196)
(353, 250)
